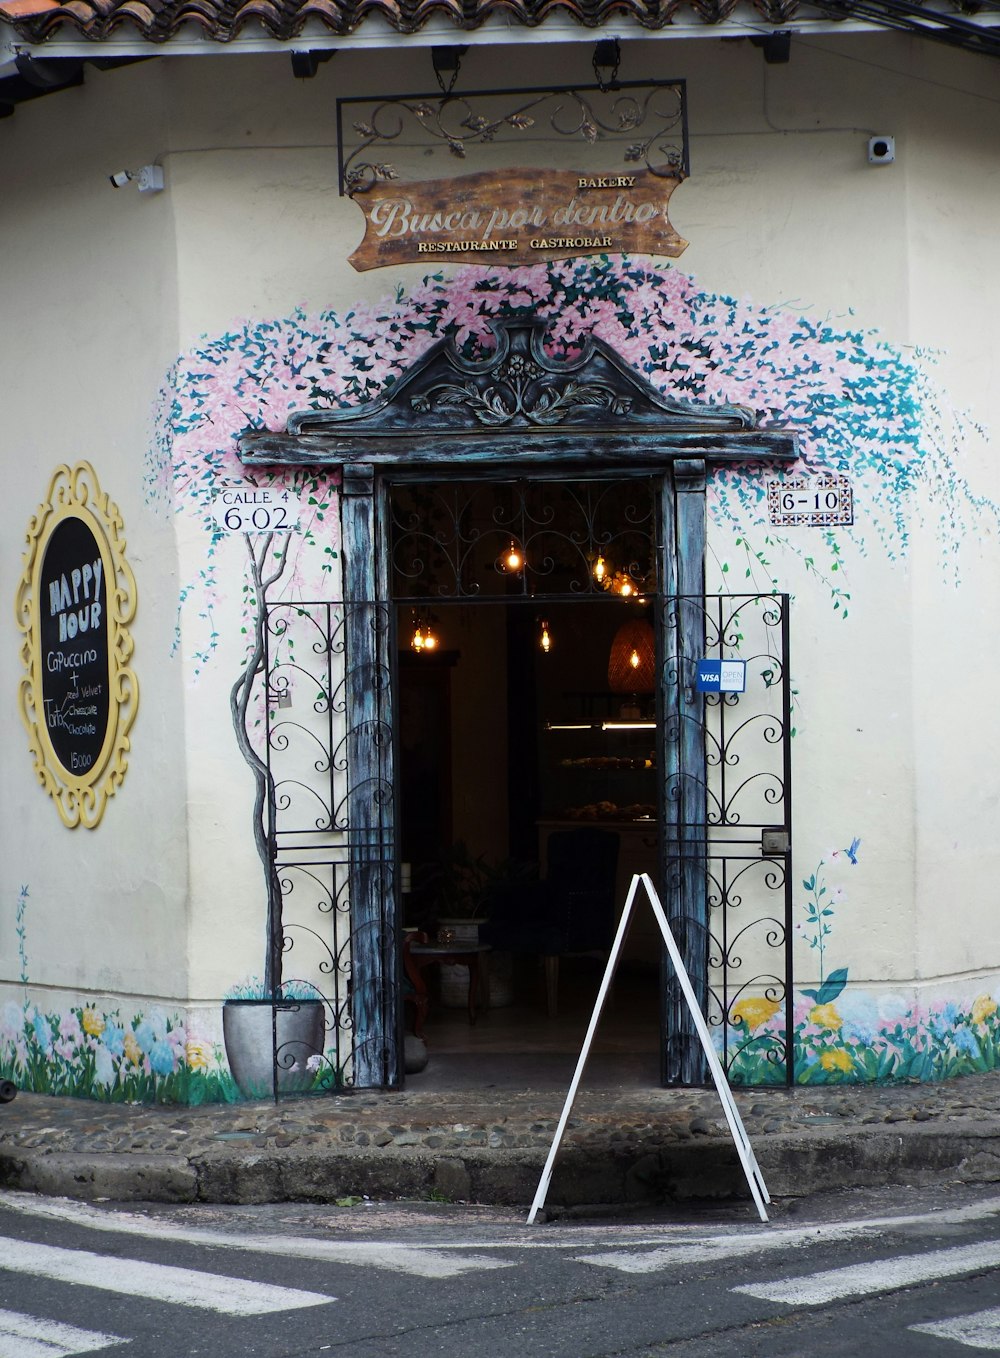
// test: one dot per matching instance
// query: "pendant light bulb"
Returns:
(545, 640)
(634, 659)
(513, 560)
(417, 641)
(430, 639)
(600, 569)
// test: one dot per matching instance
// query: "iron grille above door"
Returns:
(543, 537)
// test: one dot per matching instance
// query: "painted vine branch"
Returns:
(264, 800)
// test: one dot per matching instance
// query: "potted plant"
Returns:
(465, 887)
(275, 1043)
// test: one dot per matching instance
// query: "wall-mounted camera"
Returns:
(881, 150)
(147, 180)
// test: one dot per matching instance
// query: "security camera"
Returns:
(881, 150)
(147, 179)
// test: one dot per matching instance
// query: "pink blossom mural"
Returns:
(861, 406)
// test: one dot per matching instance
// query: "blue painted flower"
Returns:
(161, 1058)
(43, 1031)
(145, 1036)
(114, 1038)
(859, 1012)
(965, 1041)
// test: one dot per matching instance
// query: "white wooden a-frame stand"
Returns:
(743, 1148)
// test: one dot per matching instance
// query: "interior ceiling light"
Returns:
(632, 662)
(512, 559)
(424, 636)
(545, 639)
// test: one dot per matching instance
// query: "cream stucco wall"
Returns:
(88, 304)
(101, 290)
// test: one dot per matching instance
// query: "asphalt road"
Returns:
(914, 1272)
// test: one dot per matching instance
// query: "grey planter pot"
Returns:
(266, 1061)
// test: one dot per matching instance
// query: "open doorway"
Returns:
(528, 798)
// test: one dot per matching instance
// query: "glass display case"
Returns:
(599, 772)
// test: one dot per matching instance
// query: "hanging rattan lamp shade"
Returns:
(632, 662)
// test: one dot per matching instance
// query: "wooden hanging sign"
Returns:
(519, 217)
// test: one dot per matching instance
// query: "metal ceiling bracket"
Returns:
(607, 55)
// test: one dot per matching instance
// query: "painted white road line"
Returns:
(389, 1255)
(27, 1337)
(883, 1275)
(630, 1249)
(158, 1282)
(735, 1245)
(981, 1330)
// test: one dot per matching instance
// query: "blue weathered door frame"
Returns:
(517, 410)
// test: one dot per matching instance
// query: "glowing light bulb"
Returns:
(634, 660)
(418, 638)
(513, 560)
(545, 641)
(430, 639)
(600, 569)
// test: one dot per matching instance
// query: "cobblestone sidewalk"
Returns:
(489, 1146)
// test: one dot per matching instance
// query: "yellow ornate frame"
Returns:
(80, 798)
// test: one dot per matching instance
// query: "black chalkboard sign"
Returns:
(73, 630)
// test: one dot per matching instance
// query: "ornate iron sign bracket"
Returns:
(630, 153)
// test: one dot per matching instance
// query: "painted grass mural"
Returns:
(846, 1033)
(865, 1037)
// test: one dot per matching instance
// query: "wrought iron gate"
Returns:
(727, 818)
(328, 751)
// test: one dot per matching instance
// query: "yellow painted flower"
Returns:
(835, 1060)
(198, 1055)
(754, 1011)
(825, 1016)
(983, 1008)
(132, 1049)
(92, 1022)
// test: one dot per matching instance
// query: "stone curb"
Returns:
(793, 1165)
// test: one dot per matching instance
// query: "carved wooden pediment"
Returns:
(518, 403)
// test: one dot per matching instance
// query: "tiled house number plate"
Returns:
(813, 502)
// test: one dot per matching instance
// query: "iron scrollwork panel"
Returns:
(457, 539)
(331, 826)
(729, 783)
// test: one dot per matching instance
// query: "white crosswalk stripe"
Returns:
(159, 1282)
(679, 1253)
(27, 1337)
(882, 1275)
(981, 1330)
(393, 1256)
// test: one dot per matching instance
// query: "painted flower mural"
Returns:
(860, 405)
(92, 1053)
(844, 1033)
